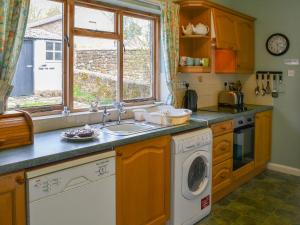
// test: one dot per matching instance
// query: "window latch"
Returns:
(66, 38)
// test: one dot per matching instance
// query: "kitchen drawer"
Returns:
(222, 175)
(222, 128)
(222, 148)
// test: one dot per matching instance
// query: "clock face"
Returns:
(277, 44)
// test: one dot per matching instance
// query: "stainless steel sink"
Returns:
(125, 129)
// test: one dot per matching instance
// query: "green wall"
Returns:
(284, 17)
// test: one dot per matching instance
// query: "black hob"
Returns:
(227, 109)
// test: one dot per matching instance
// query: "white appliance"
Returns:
(78, 192)
(191, 177)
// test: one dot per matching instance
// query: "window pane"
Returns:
(49, 55)
(57, 56)
(95, 71)
(58, 46)
(94, 19)
(138, 58)
(49, 45)
(38, 79)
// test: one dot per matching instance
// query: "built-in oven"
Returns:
(243, 141)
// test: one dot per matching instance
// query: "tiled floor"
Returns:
(269, 199)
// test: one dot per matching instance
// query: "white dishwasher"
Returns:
(78, 192)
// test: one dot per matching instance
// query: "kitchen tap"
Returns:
(104, 116)
(120, 107)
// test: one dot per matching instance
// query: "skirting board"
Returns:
(284, 169)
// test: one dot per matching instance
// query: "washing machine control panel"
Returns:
(196, 142)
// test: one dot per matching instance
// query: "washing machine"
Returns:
(191, 177)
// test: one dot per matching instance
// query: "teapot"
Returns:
(188, 30)
(200, 28)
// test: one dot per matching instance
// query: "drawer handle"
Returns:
(223, 128)
(20, 180)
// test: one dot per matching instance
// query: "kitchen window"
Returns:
(38, 79)
(113, 56)
(96, 52)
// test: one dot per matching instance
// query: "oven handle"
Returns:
(239, 129)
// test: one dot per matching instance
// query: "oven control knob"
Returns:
(241, 122)
(249, 120)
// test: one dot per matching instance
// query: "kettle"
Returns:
(190, 99)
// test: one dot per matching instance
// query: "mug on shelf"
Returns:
(182, 61)
(189, 61)
(198, 62)
(205, 62)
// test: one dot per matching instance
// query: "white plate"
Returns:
(76, 138)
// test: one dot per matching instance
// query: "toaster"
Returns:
(231, 98)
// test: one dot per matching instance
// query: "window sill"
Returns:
(75, 119)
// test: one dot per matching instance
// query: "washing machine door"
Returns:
(195, 176)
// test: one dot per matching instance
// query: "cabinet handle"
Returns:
(20, 180)
(223, 128)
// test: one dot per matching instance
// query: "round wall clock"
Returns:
(277, 44)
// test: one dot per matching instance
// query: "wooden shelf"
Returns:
(195, 36)
(194, 69)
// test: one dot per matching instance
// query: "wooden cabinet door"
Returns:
(263, 136)
(143, 182)
(245, 45)
(225, 30)
(12, 199)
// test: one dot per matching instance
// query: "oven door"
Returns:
(243, 148)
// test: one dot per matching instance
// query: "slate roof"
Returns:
(35, 33)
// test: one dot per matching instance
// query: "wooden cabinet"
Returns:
(222, 156)
(12, 199)
(222, 148)
(245, 45)
(263, 136)
(222, 175)
(222, 128)
(234, 43)
(224, 24)
(143, 182)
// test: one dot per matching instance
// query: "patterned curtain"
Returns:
(13, 19)
(170, 45)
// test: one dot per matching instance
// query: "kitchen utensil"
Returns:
(200, 29)
(257, 90)
(188, 30)
(275, 91)
(263, 90)
(281, 86)
(268, 87)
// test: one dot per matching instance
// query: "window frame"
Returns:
(70, 31)
(117, 35)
